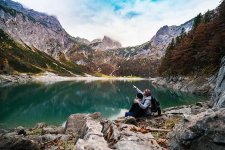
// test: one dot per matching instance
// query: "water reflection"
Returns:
(31, 103)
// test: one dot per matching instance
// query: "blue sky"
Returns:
(131, 22)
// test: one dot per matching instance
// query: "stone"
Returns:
(218, 97)
(22, 132)
(119, 136)
(12, 143)
(200, 104)
(105, 44)
(203, 131)
(186, 111)
(76, 124)
(40, 125)
(53, 130)
(92, 138)
(49, 137)
(130, 120)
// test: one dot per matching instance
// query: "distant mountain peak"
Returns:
(105, 44)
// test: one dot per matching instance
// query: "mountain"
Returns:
(199, 52)
(105, 44)
(39, 31)
(131, 60)
(44, 33)
(164, 36)
(20, 58)
(36, 29)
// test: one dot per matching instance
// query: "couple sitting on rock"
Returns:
(144, 104)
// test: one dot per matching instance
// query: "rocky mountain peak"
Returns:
(105, 43)
(33, 28)
(164, 36)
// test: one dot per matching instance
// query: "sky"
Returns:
(131, 22)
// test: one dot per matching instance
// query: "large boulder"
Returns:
(204, 131)
(93, 138)
(80, 125)
(13, 143)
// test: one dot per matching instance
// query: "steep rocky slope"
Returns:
(20, 58)
(164, 36)
(35, 29)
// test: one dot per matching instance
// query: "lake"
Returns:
(28, 104)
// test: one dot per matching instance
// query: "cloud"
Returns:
(131, 22)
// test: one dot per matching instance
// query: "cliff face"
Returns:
(218, 98)
(164, 36)
(35, 29)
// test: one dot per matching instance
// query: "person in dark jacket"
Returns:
(135, 110)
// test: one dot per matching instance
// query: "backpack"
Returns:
(155, 105)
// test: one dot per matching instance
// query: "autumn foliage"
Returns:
(199, 51)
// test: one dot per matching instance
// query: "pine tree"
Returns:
(197, 21)
(207, 17)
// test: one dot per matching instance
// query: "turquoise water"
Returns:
(28, 104)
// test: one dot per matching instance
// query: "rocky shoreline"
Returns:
(94, 132)
(198, 85)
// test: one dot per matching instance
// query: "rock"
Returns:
(76, 124)
(36, 138)
(130, 120)
(96, 115)
(66, 137)
(11, 134)
(119, 136)
(218, 97)
(92, 137)
(105, 44)
(53, 130)
(186, 111)
(200, 104)
(190, 85)
(11, 143)
(50, 137)
(203, 132)
(22, 132)
(162, 142)
(40, 125)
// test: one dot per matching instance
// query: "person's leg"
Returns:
(129, 114)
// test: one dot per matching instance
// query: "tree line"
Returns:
(199, 51)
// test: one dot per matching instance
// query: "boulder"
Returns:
(130, 120)
(76, 125)
(202, 132)
(90, 135)
(11, 143)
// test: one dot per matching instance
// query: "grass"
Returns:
(107, 76)
(24, 59)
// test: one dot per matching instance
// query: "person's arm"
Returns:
(138, 90)
(145, 105)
